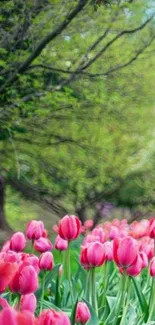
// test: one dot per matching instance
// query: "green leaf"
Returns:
(141, 298)
(74, 313)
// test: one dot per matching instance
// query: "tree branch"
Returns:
(48, 38)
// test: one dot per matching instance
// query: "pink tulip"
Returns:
(108, 250)
(53, 317)
(9, 316)
(43, 245)
(88, 223)
(46, 261)
(152, 228)
(144, 259)
(152, 267)
(25, 280)
(92, 255)
(28, 302)
(33, 260)
(99, 232)
(69, 227)
(114, 232)
(6, 246)
(55, 228)
(18, 242)
(35, 229)
(60, 243)
(136, 268)
(125, 251)
(82, 313)
(90, 238)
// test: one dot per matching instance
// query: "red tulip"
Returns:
(82, 313)
(17, 242)
(35, 229)
(69, 227)
(125, 251)
(152, 267)
(25, 280)
(43, 245)
(136, 268)
(7, 272)
(28, 303)
(61, 244)
(46, 261)
(53, 317)
(92, 255)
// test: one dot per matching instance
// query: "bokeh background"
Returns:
(77, 110)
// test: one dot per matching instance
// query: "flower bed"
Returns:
(103, 276)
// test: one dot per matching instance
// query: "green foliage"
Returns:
(89, 139)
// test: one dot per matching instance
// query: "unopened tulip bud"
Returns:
(136, 268)
(28, 302)
(125, 251)
(18, 242)
(82, 313)
(46, 261)
(43, 245)
(69, 227)
(152, 267)
(60, 244)
(25, 280)
(35, 229)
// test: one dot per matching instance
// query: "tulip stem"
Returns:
(32, 246)
(152, 299)
(69, 272)
(43, 291)
(94, 296)
(105, 284)
(128, 289)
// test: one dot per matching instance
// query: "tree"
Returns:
(51, 73)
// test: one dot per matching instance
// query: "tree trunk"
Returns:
(81, 213)
(3, 223)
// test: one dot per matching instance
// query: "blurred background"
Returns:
(77, 110)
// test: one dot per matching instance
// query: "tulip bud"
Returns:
(17, 242)
(6, 246)
(152, 267)
(33, 260)
(88, 223)
(28, 302)
(152, 228)
(35, 229)
(60, 243)
(114, 232)
(25, 280)
(43, 245)
(92, 255)
(46, 261)
(7, 273)
(69, 227)
(53, 317)
(100, 233)
(82, 313)
(136, 268)
(144, 259)
(108, 250)
(125, 251)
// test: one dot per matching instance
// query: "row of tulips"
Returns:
(103, 275)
